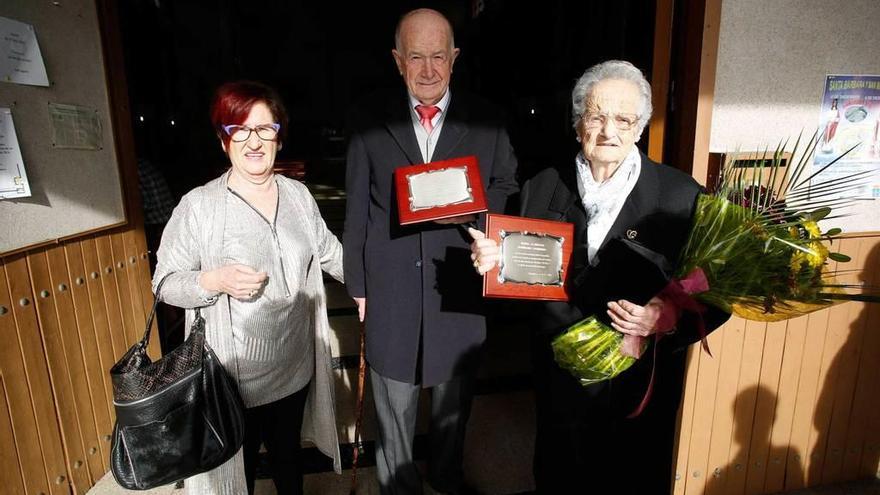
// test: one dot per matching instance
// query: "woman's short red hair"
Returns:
(233, 102)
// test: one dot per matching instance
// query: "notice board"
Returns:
(76, 185)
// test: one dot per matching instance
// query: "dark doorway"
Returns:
(324, 56)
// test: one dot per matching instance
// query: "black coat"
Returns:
(422, 291)
(583, 433)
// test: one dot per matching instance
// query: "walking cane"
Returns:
(356, 444)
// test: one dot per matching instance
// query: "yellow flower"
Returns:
(812, 228)
(814, 253)
(818, 254)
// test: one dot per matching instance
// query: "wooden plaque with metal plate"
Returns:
(535, 255)
(437, 190)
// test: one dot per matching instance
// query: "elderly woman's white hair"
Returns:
(612, 69)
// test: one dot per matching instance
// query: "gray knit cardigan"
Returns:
(192, 243)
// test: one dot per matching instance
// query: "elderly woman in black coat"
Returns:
(610, 191)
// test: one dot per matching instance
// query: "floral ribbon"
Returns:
(677, 296)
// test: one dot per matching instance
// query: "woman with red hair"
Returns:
(248, 249)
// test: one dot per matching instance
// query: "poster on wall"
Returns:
(13, 179)
(75, 127)
(850, 118)
(20, 59)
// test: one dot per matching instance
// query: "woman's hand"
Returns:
(239, 281)
(484, 251)
(641, 321)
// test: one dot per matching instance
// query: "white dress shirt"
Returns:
(427, 142)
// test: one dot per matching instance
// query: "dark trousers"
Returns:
(277, 425)
(396, 410)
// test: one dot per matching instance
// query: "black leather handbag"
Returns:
(176, 417)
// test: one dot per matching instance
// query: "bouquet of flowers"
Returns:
(755, 250)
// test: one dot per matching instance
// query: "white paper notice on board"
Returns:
(20, 59)
(75, 127)
(13, 180)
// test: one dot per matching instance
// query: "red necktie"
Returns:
(426, 113)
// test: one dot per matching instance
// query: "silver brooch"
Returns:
(631, 234)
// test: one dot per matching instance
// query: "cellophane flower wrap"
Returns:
(757, 241)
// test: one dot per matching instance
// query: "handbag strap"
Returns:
(145, 340)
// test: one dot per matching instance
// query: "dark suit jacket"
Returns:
(422, 292)
(657, 214)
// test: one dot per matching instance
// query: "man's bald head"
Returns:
(423, 19)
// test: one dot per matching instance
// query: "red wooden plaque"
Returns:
(436, 190)
(534, 258)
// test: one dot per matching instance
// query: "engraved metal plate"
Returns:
(529, 258)
(436, 188)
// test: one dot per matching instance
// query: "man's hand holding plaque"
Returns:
(523, 258)
(445, 191)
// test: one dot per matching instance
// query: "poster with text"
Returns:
(850, 119)
(20, 58)
(13, 179)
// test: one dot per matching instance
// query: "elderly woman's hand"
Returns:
(484, 251)
(642, 321)
(638, 322)
(239, 281)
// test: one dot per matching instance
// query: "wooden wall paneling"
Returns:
(844, 368)
(77, 356)
(127, 276)
(56, 351)
(836, 334)
(706, 93)
(762, 452)
(865, 346)
(29, 462)
(131, 307)
(108, 324)
(660, 78)
(864, 434)
(10, 467)
(121, 324)
(701, 429)
(786, 398)
(870, 462)
(744, 410)
(95, 360)
(802, 424)
(686, 419)
(695, 50)
(139, 272)
(42, 400)
(728, 355)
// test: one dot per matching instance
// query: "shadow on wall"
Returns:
(847, 445)
(748, 433)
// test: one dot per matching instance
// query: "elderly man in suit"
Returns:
(611, 190)
(414, 285)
